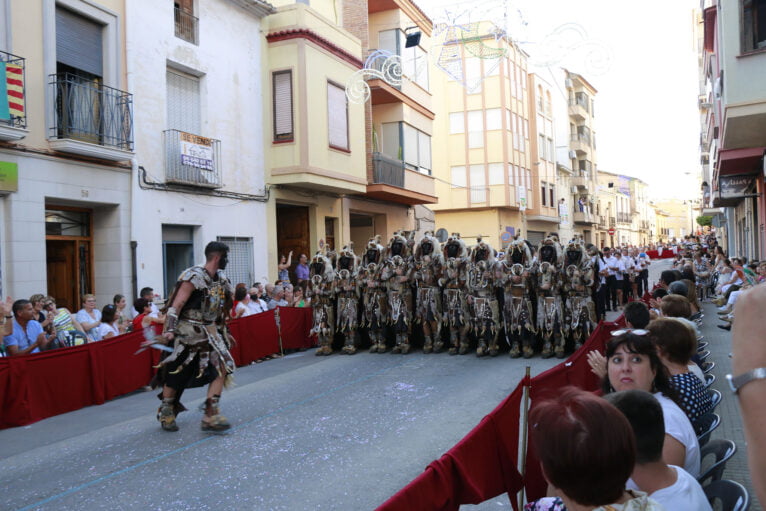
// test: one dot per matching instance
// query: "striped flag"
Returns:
(11, 91)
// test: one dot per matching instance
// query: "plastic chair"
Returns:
(715, 396)
(723, 450)
(704, 426)
(701, 347)
(709, 379)
(707, 367)
(703, 355)
(732, 495)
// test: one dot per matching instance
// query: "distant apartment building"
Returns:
(733, 137)
(622, 204)
(486, 180)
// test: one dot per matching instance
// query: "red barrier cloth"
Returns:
(256, 336)
(296, 323)
(666, 254)
(479, 467)
(123, 372)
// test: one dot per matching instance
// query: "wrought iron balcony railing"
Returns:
(187, 26)
(89, 111)
(16, 116)
(387, 171)
(192, 160)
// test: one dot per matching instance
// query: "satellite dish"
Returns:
(442, 235)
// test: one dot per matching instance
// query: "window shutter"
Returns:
(183, 103)
(424, 152)
(410, 145)
(283, 105)
(337, 115)
(240, 267)
(79, 42)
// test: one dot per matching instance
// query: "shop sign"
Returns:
(9, 177)
(521, 194)
(736, 187)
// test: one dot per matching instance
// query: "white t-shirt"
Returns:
(257, 306)
(685, 493)
(106, 328)
(678, 426)
(611, 262)
(620, 265)
(245, 310)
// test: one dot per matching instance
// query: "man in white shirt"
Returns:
(611, 280)
(669, 485)
(617, 265)
(256, 305)
(148, 294)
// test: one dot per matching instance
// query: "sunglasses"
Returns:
(635, 331)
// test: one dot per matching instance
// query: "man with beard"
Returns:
(195, 327)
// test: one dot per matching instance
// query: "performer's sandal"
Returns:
(167, 415)
(213, 420)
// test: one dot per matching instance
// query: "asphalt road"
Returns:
(339, 432)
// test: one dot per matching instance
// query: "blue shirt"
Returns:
(24, 339)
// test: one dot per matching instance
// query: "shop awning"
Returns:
(740, 161)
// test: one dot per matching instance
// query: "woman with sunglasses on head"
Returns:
(632, 363)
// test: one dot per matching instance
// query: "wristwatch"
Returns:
(737, 382)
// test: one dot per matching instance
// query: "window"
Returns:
(494, 119)
(240, 267)
(282, 85)
(456, 123)
(388, 40)
(496, 174)
(515, 130)
(475, 129)
(473, 75)
(337, 117)
(183, 102)
(753, 25)
(408, 144)
(458, 177)
(392, 146)
(541, 147)
(478, 184)
(551, 150)
(186, 24)
(424, 153)
(552, 192)
(543, 194)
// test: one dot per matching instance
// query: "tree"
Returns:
(704, 220)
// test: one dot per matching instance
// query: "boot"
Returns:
(493, 350)
(438, 346)
(463, 347)
(374, 343)
(481, 350)
(349, 348)
(398, 344)
(405, 344)
(515, 350)
(560, 349)
(166, 414)
(528, 351)
(428, 344)
(453, 343)
(547, 350)
(213, 420)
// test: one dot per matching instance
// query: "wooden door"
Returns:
(62, 273)
(293, 234)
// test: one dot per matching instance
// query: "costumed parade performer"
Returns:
(374, 308)
(347, 291)
(429, 264)
(321, 291)
(485, 314)
(196, 328)
(395, 275)
(453, 282)
(549, 307)
(518, 292)
(579, 310)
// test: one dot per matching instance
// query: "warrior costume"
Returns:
(201, 343)
(549, 307)
(429, 264)
(579, 310)
(518, 287)
(453, 282)
(481, 287)
(321, 280)
(347, 291)
(395, 275)
(374, 308)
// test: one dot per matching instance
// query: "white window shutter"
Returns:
(337, 115)
(283, 105)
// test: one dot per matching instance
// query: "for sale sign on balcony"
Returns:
(196, 151)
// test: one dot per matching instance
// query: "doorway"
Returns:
(69, 254)
(293, 233)
(177, 253)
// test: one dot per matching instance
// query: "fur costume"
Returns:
(517, 280)
(429, 264)
(453, 281)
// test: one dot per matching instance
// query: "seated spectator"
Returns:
(298, 300)
(256, 305)
(268, 294)
(587, 453)
(242, 299)
(692, 296)
(636, 315)
(145, 319)
(632, 363)
(43, 318)
(69, 331)
(108, 327)
(27, 335)
(675, 345)
(671, 486)
(277, 298)
(90, 317)
(6, 308)
(667, 277)
(121, 313)
(147, 293)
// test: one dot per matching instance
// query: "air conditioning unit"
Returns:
(568, 83)
(572, 155)
(574, 189)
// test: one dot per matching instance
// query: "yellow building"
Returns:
(327, 185)
(483, 167)
(623, 201)
(679, 218)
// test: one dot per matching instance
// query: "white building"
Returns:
(196, 74)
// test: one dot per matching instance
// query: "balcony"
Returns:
(580, 142)
(578, 110)
(585, 217)
(13, 121)
(393, 182)
(187, 26)
(582, 182)
(389, 82)
(623, 218)
(91, 119)
(612, 222)
(192, 160)
(601, 222)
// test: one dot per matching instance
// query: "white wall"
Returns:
(740, 73)
(229, 60)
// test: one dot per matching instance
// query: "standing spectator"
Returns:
(611, 279)
(108, 327)
(643, 277)
(69, 331)
(619, 275)
(302, 270)
(284, 265)
(145, 319)
(147, 293)
(256, 305)
(27, 335)
(581, 205)
(90, 317)
(120, 312)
